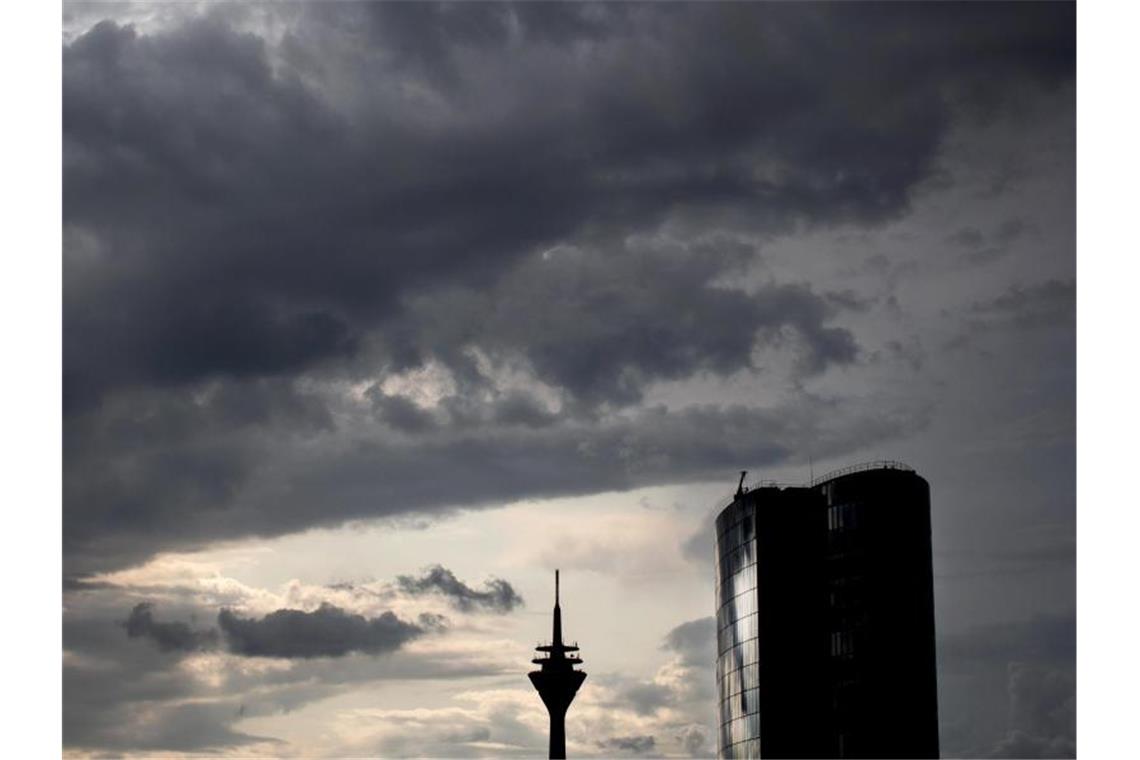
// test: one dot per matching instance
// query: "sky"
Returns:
(375, 314)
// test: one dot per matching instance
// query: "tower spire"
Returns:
(556, 639)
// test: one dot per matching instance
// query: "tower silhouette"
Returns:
(556, 680)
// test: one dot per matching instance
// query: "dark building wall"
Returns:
(826, 620)
(881, 600)
(791, 533)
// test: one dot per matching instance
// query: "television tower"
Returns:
(556, 680)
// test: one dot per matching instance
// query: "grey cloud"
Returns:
(1022, 745)
(522, 408)
(326, 632)
(690, 691)
(645, 698)
(498, 595)
(1042, 639)
(170, 637)
(636, 745)
(257, 231)
(1045, 307)
(695, 740)
(1042, 713)
(1010, 230)
(694, 641)
(427, 736)
(1047, 304)
(400, 413)
(245, 218)
(603, 323)
(1009, 689)
(983, 255)
(967, 237)
(975, 242)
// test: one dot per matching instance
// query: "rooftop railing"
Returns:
(879, 464)
(882, 464)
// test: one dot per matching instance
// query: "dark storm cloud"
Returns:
(499, 596)
(636, 745)
(325, 632)
(557, 187)
(243, 223)
(603, 324)
(170, 637)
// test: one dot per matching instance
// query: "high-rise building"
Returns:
(825, 618)
(556, 679)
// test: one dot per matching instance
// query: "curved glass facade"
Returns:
(737, 672)
(825, 619)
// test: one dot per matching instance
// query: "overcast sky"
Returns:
(374, 314)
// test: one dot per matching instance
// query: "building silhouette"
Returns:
(556, 679)
(825, 618)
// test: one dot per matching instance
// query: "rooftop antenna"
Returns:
(740, 485)
(811, 471)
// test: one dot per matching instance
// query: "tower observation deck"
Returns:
(556, 679)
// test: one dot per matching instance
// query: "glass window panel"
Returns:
(727, 669)
(751, 652)
(750, 677)
(750, 700)
(724, 639)
(732, 682)
(739, 730)
(726, 592)
(748, 554)
(744, 629)
(746, 604)
(738, 653)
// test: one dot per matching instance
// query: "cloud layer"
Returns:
(257, 221)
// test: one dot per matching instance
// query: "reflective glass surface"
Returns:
(737, 670)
